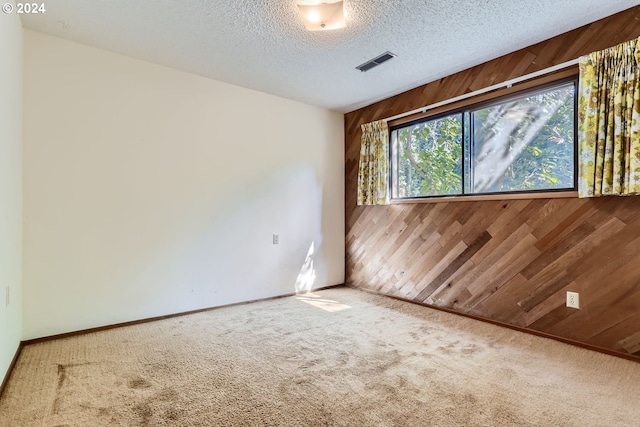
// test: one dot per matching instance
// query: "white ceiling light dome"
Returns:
(327, 15)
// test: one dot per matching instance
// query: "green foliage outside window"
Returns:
(429, 158)
(522, 144)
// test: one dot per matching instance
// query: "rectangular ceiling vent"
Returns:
(375, 61)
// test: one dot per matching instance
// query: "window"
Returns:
(524, 142)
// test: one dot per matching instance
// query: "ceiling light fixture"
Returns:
(324, 16)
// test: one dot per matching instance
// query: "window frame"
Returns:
(530, 87)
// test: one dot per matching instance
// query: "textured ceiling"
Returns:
(262, 44)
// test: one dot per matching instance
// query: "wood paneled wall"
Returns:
(510, 261)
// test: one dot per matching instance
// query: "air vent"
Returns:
(375, 61)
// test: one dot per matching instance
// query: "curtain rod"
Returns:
(508, 83)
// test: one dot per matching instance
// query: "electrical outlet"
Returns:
(7, 297)
(573, 299)
(276, 239)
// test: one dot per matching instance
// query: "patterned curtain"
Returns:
(373, 175)
(609, 122)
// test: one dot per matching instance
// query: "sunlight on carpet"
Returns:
(316, 300)
(338, 357)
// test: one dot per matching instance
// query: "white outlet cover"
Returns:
(573, 299)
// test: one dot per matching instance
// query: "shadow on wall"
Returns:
(148, 248)
(228, 255)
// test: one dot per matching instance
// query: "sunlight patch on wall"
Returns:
(307, 276)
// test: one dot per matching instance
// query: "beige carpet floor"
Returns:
(338, 357)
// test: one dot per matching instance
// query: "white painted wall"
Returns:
(10, 186)
(151, 191)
